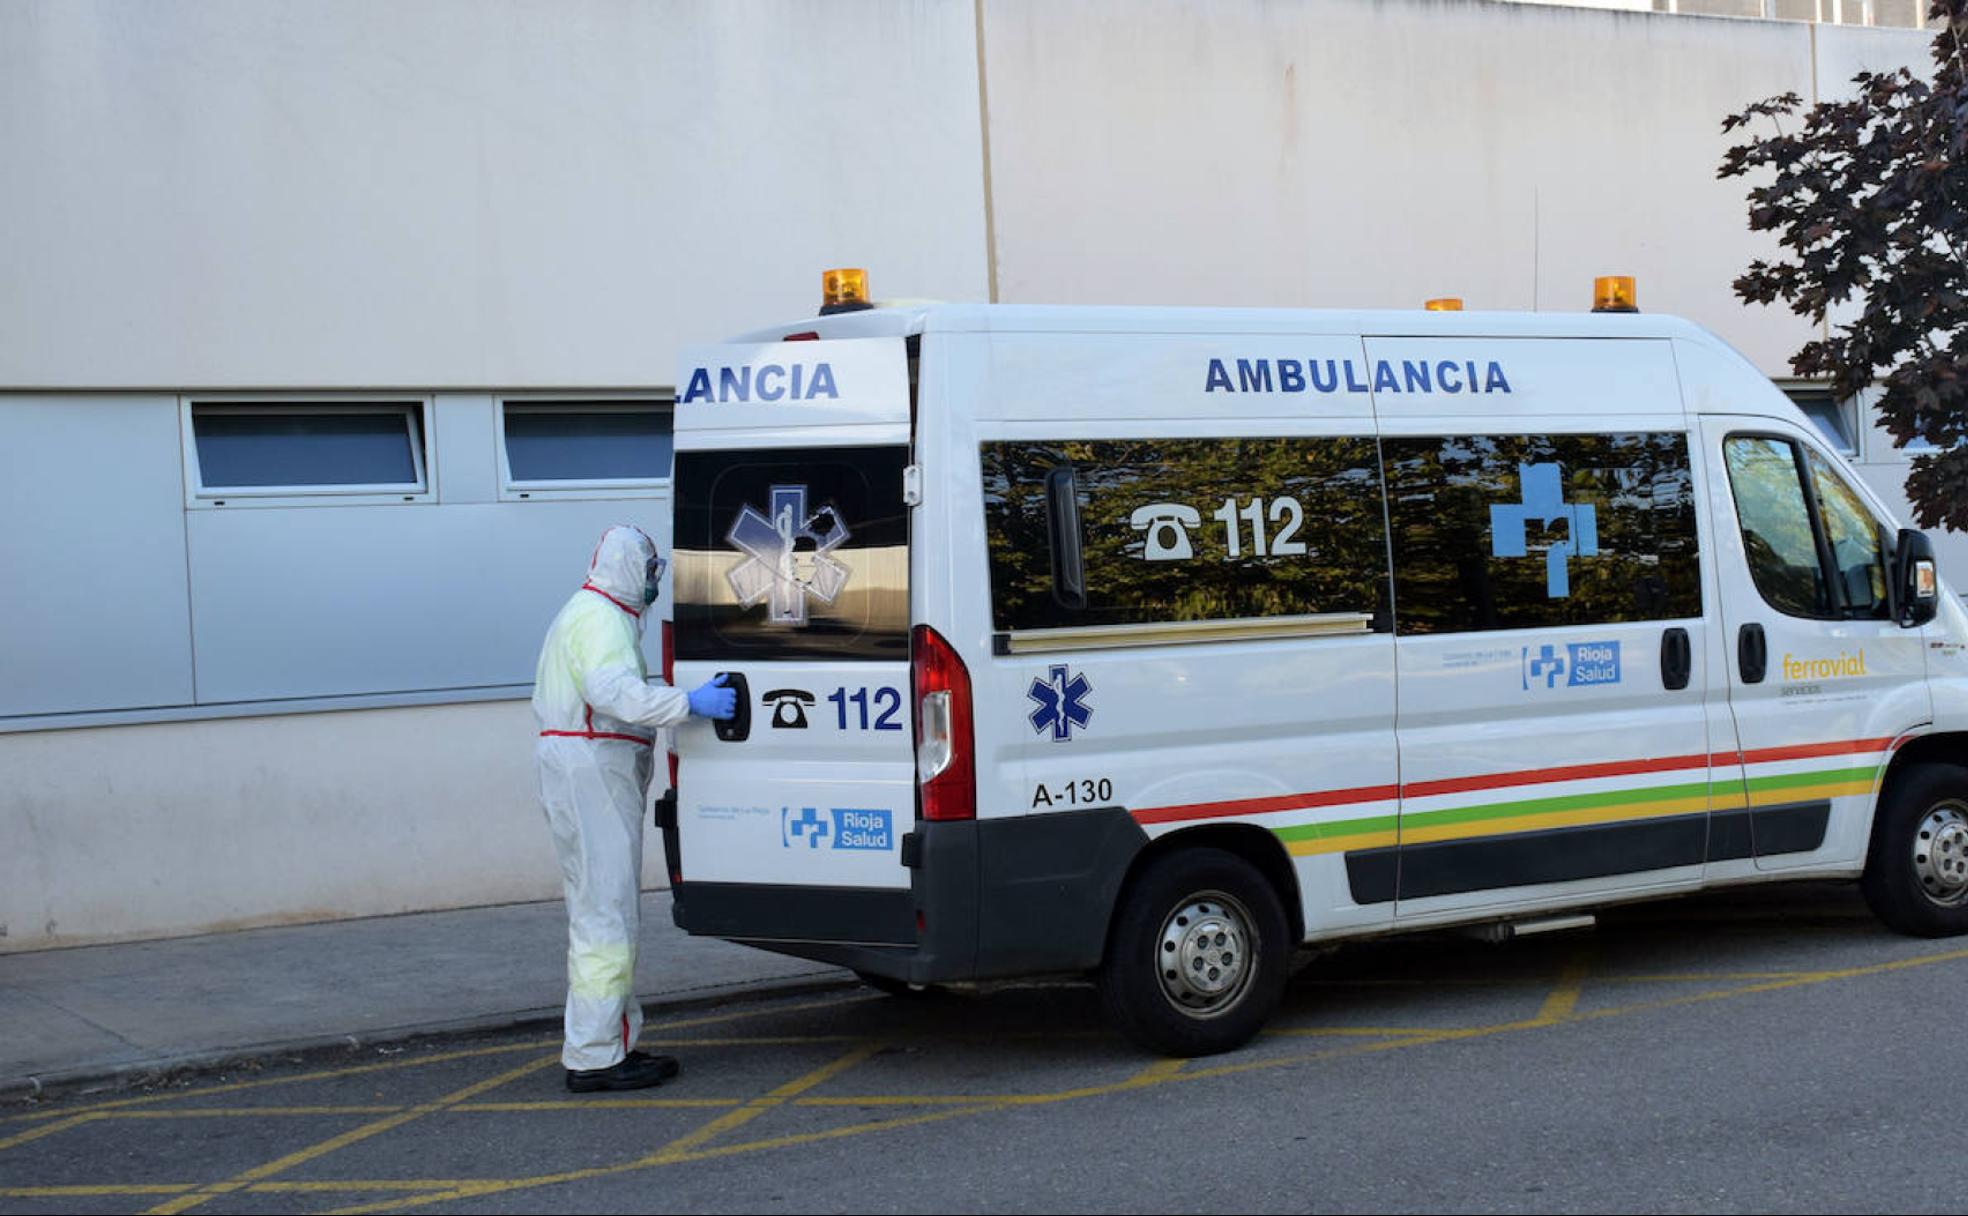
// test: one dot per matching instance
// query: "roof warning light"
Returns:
(1444, 304)
(844, 290)
(1614, 293)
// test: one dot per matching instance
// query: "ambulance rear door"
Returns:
(792, 578)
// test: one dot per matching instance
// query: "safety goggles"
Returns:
(653, 572)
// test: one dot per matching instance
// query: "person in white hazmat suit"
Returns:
(598, 712)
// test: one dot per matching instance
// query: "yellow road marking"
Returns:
(252, 1112)
(466, 1053)
(1696, 977)
(677, 1149)
(602, 1104)
(1563, 999)
(902, 1100)
(283, 1186)
(1161, 1072)
(179, 1188)
(49, 1129)
(1364, 1032)
(279, 1165)
(327, 1074)
(63, 1192)
(758, 1106)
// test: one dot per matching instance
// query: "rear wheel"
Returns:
(1916, 875)
(1197, 958)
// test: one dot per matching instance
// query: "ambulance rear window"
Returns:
(792, 554)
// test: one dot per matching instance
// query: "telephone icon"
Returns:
(1167, 525)
(788, 707)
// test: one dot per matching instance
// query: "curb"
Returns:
(156, 1069)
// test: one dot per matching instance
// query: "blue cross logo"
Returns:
(1548, 665)
(1543, 494)
(807, 825)
(1062, 703)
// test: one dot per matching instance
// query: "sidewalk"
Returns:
(98, 1013)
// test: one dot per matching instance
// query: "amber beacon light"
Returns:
(1614, 293)
(843, 290)
(1444, 304)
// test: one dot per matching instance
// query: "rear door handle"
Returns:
(738, 727)
(1677, 659)
(1752, 654)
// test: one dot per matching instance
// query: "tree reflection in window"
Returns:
(1644, 563)
(1323, 491)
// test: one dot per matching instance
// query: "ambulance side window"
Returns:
(1535, 531)
(1152, 531)
(1813, 548)
(1857, 558)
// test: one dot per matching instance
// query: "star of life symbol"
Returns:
(1062, 703)
(1543, 501)
(776, 568)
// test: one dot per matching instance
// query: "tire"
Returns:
(1193, 907)
(1916, 875)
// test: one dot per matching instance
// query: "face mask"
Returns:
(652, 575)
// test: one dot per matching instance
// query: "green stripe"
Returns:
(1342, 827)
(1560, 802)
(1787, 781)
(1566, 802)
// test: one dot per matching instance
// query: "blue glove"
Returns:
(713, 700)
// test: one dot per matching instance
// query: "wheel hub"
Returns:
(1940, 853)
(1204, 953)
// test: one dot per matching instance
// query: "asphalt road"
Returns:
(1770, 1050)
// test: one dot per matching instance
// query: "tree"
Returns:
(1869, 198)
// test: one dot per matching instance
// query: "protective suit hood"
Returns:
(616, 569)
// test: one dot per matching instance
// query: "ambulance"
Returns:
(1152, 644)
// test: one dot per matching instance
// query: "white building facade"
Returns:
(332, 335)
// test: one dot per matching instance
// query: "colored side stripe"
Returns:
(1577, 772)
(1540, 776)
(1571, 810)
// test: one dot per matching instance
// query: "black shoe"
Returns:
(637, 1070)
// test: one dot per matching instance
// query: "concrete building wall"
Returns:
(146, 831)
(1364, 153)
(373, 194)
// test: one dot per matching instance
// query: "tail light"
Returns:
(946, 766)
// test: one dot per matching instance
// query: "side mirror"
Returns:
(1916, 578)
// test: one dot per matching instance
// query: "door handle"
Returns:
(1752, 653)
(738, 727)
(1677, 659)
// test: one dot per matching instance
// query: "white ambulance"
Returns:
(1154, 642)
